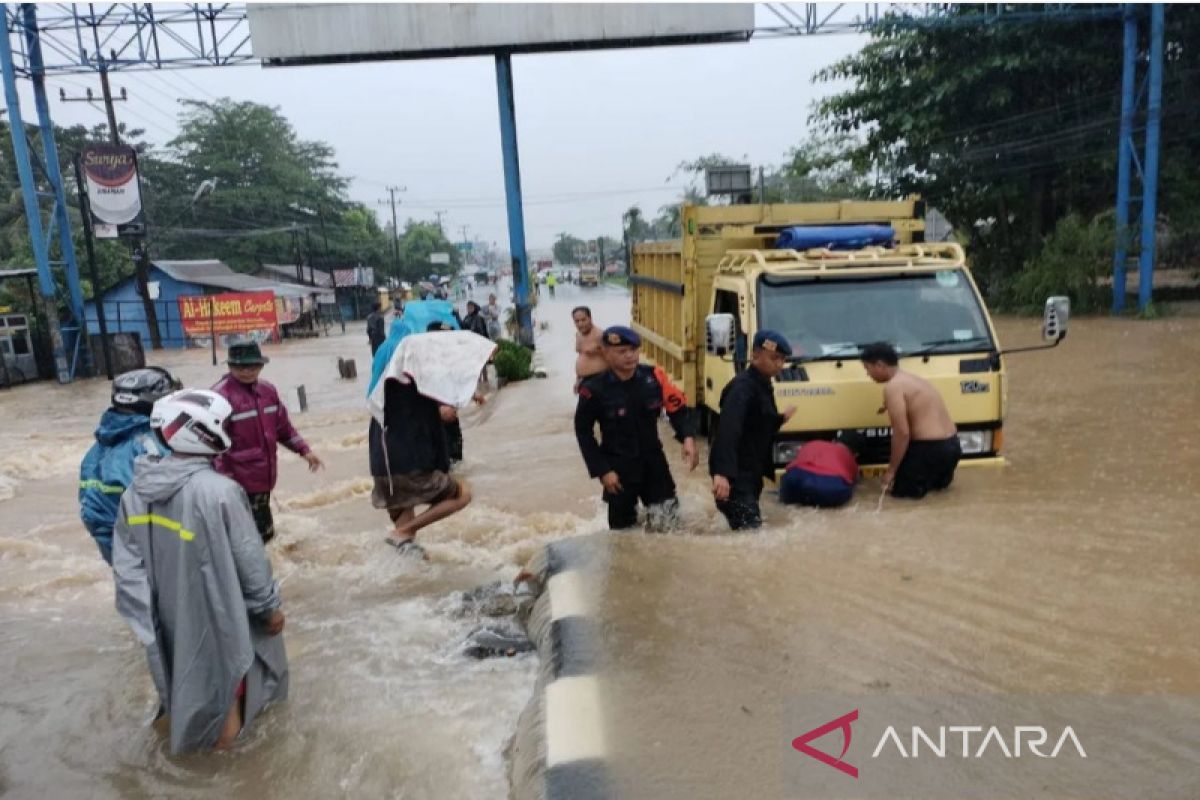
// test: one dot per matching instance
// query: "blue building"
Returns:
(124, 311)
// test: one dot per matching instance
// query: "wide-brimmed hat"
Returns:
(246, 354)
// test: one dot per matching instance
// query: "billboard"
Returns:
(285, 34)
(113, 192)
(244, 314)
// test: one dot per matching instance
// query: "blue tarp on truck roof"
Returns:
(834, 237)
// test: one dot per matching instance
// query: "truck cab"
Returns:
(828, 305)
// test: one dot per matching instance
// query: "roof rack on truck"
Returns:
(940, 254)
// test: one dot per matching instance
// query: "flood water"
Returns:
(1075, 569)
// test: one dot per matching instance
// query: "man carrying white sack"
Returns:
(408, 452)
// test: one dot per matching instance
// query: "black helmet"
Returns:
(137, 390)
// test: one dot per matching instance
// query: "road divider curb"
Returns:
(559, 751)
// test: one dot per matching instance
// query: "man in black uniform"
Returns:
(627, 401)
(740, 456)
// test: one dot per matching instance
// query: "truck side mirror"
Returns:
(719, 332)
(1055, 318)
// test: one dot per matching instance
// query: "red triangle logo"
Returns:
(841, 723)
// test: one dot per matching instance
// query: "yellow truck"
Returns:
(589, 275)
(698, 301)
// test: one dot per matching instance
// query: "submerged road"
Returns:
(1074, 570)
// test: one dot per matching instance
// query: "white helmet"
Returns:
(192, 421)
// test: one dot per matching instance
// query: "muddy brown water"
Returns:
(1072, 570)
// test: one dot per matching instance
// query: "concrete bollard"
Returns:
(347, 369)
(303, 398)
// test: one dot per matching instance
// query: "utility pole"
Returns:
(395, 229)
(299, 259)
(439, 215)
(141, 264)
(324, 235)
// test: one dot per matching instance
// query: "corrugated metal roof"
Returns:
(218, 275)
(287, 272)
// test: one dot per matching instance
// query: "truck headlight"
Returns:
(975, 442)
(786, 451)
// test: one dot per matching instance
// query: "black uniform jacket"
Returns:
(628, 413)
(748, 424)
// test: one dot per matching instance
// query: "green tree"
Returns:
(1008, 128)
(418, 242)
(266, 179)
(568, 249)
(637, 229)
(820, 168)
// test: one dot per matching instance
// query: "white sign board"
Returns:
(113, 194)
(300, 33)
(439, 258)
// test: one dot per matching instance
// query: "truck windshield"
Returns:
(828, 318)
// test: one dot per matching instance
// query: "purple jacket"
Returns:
(259, 422)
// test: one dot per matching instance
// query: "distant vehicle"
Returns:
(589, 275)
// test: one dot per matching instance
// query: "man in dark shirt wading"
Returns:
(740, 456)
(375, 328)
(627, 400)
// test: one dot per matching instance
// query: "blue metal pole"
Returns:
(54, 174)
(512, 193)
(1125, 157)
(1150, 180)
(29, 193)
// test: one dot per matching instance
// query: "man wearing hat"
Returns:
(627, 400)
(258, 424)
(740, 456)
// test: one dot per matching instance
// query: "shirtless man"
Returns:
(588, 345)
(925, 448)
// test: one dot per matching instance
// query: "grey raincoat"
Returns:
(194, 583)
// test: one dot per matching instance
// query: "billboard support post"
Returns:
(512, 194)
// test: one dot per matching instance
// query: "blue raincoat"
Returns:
(417, 316)
(107, 470)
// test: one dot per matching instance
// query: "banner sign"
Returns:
(229, 313)
(114, 195)
(287, 309)
(358, 276)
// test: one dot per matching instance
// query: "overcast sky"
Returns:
(598, 131)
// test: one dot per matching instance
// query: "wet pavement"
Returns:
(1073, 570)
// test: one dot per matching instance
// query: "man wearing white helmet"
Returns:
(194, 582)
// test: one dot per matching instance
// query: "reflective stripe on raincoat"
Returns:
(194, 583)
